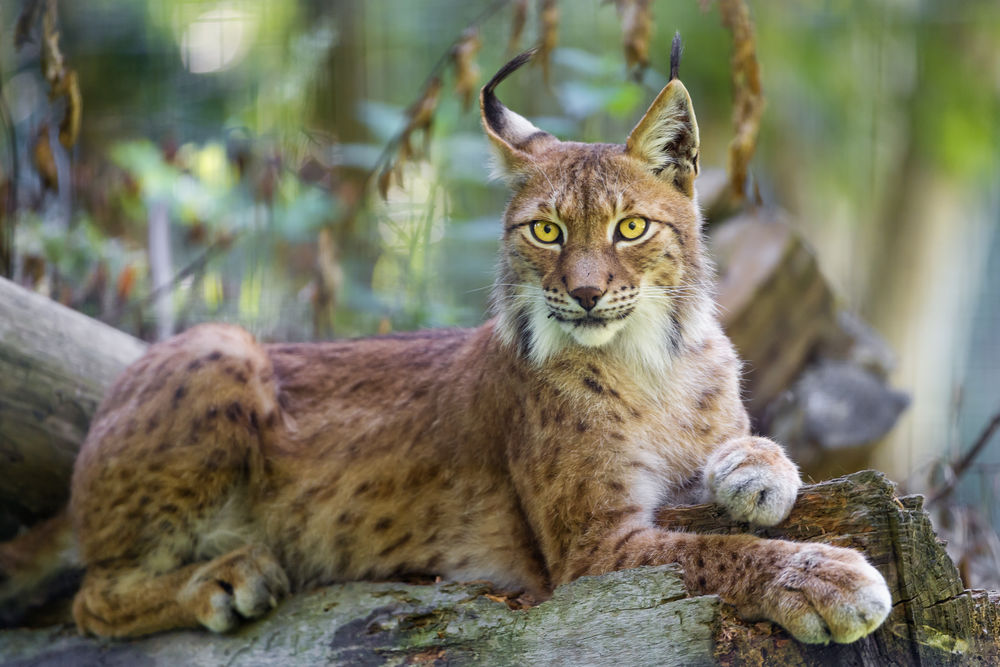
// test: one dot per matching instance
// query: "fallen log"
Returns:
(55, 365)
(631, 617)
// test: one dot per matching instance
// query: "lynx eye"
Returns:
(546, 232)
(632, 228)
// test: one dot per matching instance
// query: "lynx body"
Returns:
(221, 474)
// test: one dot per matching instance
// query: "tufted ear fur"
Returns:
(667, 136)
(514, 138)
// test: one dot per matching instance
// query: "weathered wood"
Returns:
(632, 617)
(934, 620)
(55, 365)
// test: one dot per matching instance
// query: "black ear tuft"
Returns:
(493, 109)
(675, 55)
(515, 139)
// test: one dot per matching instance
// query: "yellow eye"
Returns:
(546, 232)
(632, 228)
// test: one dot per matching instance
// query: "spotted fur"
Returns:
(220, 474)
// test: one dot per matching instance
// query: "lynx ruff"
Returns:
(219, 474)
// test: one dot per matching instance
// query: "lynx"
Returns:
(221, 474)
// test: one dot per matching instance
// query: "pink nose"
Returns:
(587, 296)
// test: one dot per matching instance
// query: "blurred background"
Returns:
(312, 169)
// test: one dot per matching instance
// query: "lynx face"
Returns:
(602, 243)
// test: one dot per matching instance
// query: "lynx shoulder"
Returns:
(221, 474)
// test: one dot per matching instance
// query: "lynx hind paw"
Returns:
(242, 585)
(754, 481)
(827, 593)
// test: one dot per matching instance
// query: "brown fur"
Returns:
(220, 473)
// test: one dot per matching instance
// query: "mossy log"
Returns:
(632, 617)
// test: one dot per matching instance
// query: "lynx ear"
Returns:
(667, 136)
(514, 138)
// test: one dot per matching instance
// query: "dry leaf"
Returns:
(125, 283)
(385, 181)
(549, 31)
(517, 23)
(45, 161)
(53, 67)
(637, 27)
(69, 127)
(466, 70)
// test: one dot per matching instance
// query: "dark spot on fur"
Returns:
(214, 356)
(702, 583)
(362, 488)
(179, 394)
(582, 426)
(215, 460)
(707, 398)
(628, 536)
(395, 545)
(593, 385)
(234, 411)
(382, 524)
(152, 424)
(194, 365)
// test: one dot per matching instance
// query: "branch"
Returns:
(748, 99)
(960, 467)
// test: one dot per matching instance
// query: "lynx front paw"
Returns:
(244, 584)
(827, 593)
(754, 480)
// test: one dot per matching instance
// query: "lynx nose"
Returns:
(587, 296)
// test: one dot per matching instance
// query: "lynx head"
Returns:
(602, 245)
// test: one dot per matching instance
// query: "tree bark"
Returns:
(632, 617)
(55, 365)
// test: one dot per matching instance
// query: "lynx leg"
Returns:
(242, 584)
(753, 479)
(817, 592)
